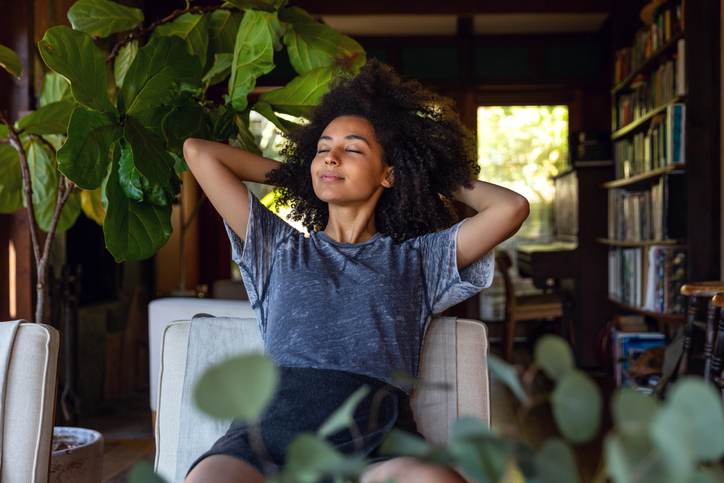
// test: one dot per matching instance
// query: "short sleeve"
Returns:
(445, 284)
(255, 255)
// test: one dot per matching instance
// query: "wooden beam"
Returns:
(452, 7)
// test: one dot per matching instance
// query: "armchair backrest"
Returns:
(454, 352)
(29, 358)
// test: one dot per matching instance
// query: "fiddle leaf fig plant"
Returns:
(121, 95)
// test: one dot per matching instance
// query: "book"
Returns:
(627, 348)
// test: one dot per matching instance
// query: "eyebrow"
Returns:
(348, 136)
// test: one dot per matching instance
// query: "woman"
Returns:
(371, 177)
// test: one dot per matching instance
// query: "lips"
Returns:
(327, 176)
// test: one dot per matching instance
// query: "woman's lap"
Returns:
(304, 400)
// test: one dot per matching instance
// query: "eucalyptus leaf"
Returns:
(633, 410)
(466, 427)
(160, 64)
(92, 206)
(191, 27)
(403, 443)
(10, 61)
(554, 356)
(51, 118)
(85, 156)
(343, 416)
(223, 25)
(239, 388)
(633, 458)
(309, 458)
(486, 459)
(11, 180)
(312, 44)
(576, 404)
(122, 62)
(133, 230)
(73, 54)
(258, 37)
(55, 88)
(302, 93)
(143, 473)
(101, 18)
(508, 375)
(556, 463)
(44, 180)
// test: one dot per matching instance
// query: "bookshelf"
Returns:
(647, 228)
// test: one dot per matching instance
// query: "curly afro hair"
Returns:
(422, 138)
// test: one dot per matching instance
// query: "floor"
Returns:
(128, 435)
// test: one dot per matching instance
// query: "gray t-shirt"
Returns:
(357, 307)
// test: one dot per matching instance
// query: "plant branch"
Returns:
(15, 142)
(194, 212)
(141, 32)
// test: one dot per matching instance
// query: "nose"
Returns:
(329, 159)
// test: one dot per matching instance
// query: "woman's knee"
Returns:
(406, 469)
(223, 469)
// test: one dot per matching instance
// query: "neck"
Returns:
(351, 224)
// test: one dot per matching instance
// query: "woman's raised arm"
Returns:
(220, 170)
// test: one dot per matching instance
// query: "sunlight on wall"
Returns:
(12, 280)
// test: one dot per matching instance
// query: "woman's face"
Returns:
(348, 166)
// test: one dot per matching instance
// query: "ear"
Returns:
(389, 180)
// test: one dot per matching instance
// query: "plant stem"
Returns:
(141, 32)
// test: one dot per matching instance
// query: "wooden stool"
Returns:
(717, 357)
(701, 314)
(523, 307)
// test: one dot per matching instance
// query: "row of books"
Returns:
(647, 94)
(663, 143)
(659, 290)
(656, 213)
(667, 23)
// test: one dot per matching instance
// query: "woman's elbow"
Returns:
(191, 149)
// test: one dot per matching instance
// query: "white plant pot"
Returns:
(78, 457)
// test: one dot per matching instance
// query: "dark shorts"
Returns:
(304, 400)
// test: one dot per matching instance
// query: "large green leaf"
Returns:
(101, 18)
(184, 120)
(85, 156)
(576, 404)
(10, 61)
(3, 131)
(223, 25)
(44, 177)
(556, 463)
(244, 139)
(160, 64)
(74, 55)
(554, 356)
(312, 44)
(92, 205)
(222, 123)
(122, 62)
(191, 27)
(302, 93)
(133, 230)
(240, 387)
(258, 37)
(134, 184)
(52, 118)
(55, 88)
(266, 110)
(219, 70)
(11, 181)
(150, 156)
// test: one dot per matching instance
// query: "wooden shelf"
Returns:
(645, 177)
(645, 118)
(638, 243)
(652, 61)
(671, 318)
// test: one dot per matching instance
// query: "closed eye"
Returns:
(349, 150)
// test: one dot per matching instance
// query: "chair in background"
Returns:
(454, 352)
(28, 368)
(523, 307)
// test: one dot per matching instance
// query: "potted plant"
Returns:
(120, 97)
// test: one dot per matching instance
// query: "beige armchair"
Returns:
(28, 367)
(454, 351)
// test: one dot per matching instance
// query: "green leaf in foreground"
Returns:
(556, 463)
(576, 404)
(239, 388)
(554, 356)
(51, 118)
(508, 375)
(143, 473)
(343, 416)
